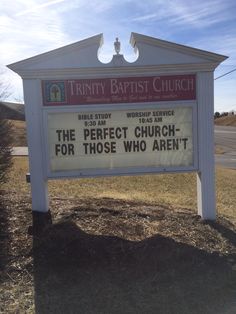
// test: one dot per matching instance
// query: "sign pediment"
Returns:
(152, 53)
(80, 54)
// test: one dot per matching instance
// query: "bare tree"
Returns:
(5, 89)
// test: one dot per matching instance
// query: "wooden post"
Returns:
(33, 111)
(206, 175)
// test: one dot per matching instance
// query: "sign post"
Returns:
(87, 119)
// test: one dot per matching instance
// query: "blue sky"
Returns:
(30, 27)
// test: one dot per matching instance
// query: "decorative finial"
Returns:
(117, 46)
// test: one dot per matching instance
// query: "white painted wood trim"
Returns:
(206, 174)
(94, 40)
(105, 71)
(136, 39)
(33, 112)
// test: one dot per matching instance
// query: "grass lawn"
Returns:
(176, 190)
(118, 245)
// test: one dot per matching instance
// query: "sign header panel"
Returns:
(119, 90)
(112, 139)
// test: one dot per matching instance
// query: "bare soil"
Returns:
(105, 255)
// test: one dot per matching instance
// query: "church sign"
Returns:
(155, 115)
(118, 90)
(153, 139)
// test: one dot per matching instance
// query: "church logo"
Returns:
(54, 92)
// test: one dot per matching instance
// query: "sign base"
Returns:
(40, 222)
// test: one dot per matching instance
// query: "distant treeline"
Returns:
(223, 114)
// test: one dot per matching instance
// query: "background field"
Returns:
(226, 121)
(19, 133)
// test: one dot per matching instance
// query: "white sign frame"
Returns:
(156, 58)
(128, 171)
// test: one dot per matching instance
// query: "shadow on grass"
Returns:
(4, 235)
(75, 272)
(225, 232)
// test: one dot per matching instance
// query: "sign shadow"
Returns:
(77, 272)
(4, 234)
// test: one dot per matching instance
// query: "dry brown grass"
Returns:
(118, 245)
(226, 121)
(175, 190)
(219, 150)
(19, 133)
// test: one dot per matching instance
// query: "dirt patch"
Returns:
(105, 255)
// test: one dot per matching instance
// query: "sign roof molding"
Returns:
(139, 41)
(81, 59)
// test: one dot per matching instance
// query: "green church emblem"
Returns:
(55, 92)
